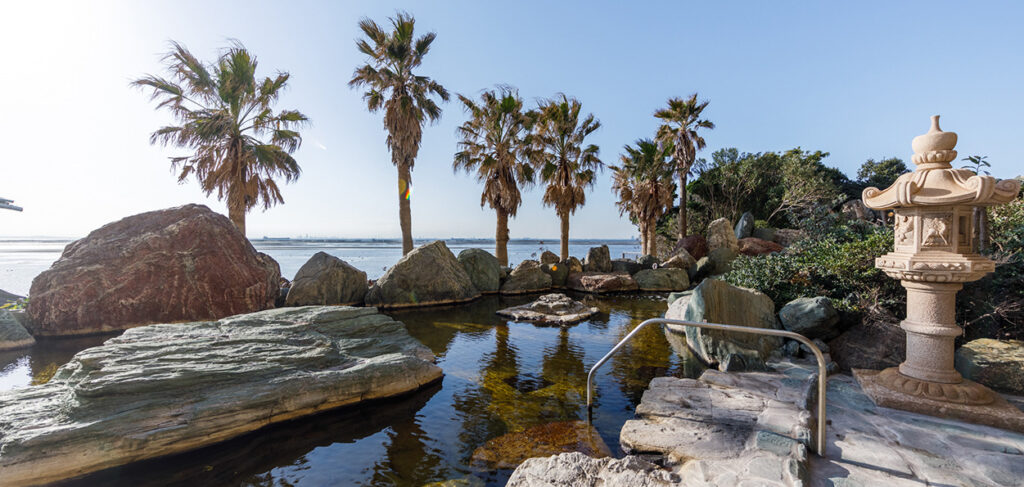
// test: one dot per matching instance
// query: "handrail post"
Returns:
(822, 368)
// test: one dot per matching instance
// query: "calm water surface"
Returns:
(500, 377)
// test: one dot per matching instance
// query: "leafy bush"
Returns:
(838, 264)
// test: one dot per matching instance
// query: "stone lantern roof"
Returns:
(936, 183)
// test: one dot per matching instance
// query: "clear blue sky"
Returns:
(856, 79)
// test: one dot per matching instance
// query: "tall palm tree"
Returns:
(679, 129)
(644, 184)
(495, 143)
(405, 97)
(226, 116)
(566, 165)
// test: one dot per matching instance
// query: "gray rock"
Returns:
(716, 301)
(578, 470)
(550, 308)
(681, 260)
(483, 269)
(625, 266)
(764, 234)
(163, 389)
(325, 279)
(558, 272)
(648, 261)
(573, 264)
(876, 342)
(527, 277)
(722, 258)
(665, 279)
(993, 363)
(673, 297)
(595, 282)
(425, 276)
(811, 317)
(598, 260)
(549, 257)
(12, 335)
(745, 226)
(788, 236)
(704, 267)
(721, 234)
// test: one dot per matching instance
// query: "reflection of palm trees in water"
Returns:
(410, 458)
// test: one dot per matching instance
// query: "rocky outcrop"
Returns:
(509, 450)
(179, 264)
(483, 269)
(754, 246)
(663, 279)
(579, 470)
(164, 389)
(744, 226)
(595, 282)
(695, 245)
(550, 308)
(811, 317)
(625, 266)
(716, 301)
(598, 259)
(722, 235)
(548, 257)
(325, 279)
(527, 277)
(876, 342)
(12, 335)
(558, 272)
(425, 276)
(681, 260)
(993, 363)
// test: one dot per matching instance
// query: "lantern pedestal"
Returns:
(934, 253)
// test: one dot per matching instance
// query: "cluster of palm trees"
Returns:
(644, 179)
(241, 144)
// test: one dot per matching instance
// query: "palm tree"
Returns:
(681, 121)
(644, 185)
(227, 117)
(495, 143)
(405, 97)
(566, 165)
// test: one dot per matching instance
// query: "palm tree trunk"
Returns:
(564, 215)
(237, 216)
(404, 210)
(501, 238)
(682, 204)
(652, 237)
(643, 237)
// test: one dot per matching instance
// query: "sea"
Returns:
(21, 259)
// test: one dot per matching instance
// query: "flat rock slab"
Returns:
(550, 308)
(163, 389)
(510, 450)
(579, 470)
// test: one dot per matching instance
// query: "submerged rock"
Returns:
(14, 336)
(595, 282)
(598, 259)
(527, 277)
(164, 389)
(550, 308)
(510, 450)
(427, 275)
(325, 279)
(579, 470)
(179, 264)
(665, 279)
(483, 269)
(716, 301)
(993, 363)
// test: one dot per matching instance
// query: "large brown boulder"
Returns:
(696, 245)
(179, 264)
(596, 282)
(755, 246)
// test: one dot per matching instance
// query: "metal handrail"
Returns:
(822, 369)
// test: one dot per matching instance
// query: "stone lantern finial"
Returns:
(934, 253)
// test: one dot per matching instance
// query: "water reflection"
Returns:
(500, 377)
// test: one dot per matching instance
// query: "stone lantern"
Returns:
(935, 252)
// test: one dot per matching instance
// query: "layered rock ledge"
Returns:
(163, 389)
